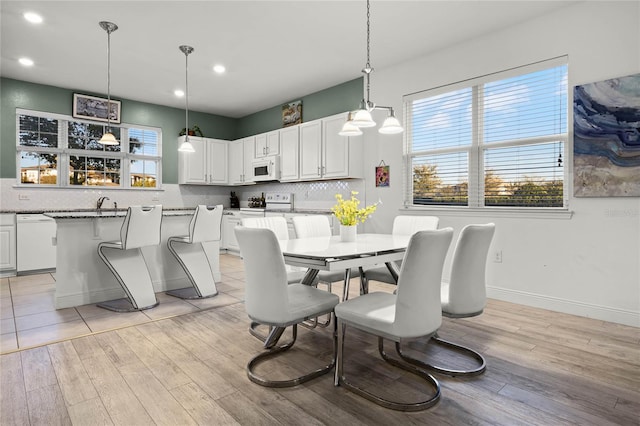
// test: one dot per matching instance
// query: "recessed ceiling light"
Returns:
(178, 93)
(219, 69)
(26, 62)
(34, 18)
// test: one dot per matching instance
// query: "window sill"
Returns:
(523, 213)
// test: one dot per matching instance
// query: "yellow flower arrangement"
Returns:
(347, 211)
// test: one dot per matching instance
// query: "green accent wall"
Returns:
(39, 97)
(334, 100)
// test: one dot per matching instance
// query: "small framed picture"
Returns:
(382, 175)
(93, 108)
(292, 113)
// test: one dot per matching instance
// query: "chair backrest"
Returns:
(311, 226)
(409, 225)
(418, 311)
(266, 284)
(205, 224)
(277, 224)
(141, 227)
(467, 287)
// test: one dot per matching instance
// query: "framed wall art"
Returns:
(382, 174)
(292, 113)
(93, 108)
(606, 138)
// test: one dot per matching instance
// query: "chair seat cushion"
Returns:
(379, 273)
(334, 276)
(304, 302)
(373, 312)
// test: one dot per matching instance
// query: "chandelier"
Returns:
(362, 117)
(186, 146)
(108, 138)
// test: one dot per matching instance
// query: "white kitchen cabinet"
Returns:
(229, 241)
(324, 154)
(7, 244)
(240, 158)
(207, 165)
(289, 157)
(267, 144)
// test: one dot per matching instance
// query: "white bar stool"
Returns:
(141, 228)
(192, 256)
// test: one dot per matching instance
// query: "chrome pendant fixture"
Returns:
(362, 118)
(186, 146)
(108, 138)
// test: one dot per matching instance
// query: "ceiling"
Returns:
(274, 51)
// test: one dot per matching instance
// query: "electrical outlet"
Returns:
(23, 196)
(497, 256)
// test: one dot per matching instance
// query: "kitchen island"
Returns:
(82, 277)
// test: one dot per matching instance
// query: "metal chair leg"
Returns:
(289, 382)
(340, 380)
(444, 370)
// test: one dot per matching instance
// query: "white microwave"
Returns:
(266, 168)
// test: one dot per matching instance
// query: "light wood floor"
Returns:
(544, 368)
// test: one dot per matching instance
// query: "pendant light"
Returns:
(362, 118)
(186, 146)
(108, 138)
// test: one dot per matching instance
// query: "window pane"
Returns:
(441, 179)
(526, 106)
(86, 136)
(524, 176)
(442, 121)
(38, 131)
(143, 173)
(143, 142)
(38, 168)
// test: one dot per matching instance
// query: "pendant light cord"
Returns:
(109, 80)
(367, 68)
(186, 94)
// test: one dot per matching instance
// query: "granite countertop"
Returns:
(110, 213)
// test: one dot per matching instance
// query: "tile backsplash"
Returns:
(318, 195)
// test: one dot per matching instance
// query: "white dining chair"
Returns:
(414, 311)
(464, 295)
(271, 300)
(190, 253)
(402, 225)
(124, 258)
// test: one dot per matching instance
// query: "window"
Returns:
(60, 151)
(495, 141)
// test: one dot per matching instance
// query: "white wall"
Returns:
(587, 264)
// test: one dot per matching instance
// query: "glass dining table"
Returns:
(332, 254)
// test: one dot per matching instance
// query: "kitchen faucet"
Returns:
(100, 201)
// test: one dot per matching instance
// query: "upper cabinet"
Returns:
(289, 157)
(207, 165)
(267, 144)
(241, 154)
(324, 154)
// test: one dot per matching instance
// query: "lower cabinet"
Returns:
(7, 244)
(229, 241)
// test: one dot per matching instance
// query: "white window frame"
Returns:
(476, 150)
(64, 152)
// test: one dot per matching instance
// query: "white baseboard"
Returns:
(79, 299)
(604, 313)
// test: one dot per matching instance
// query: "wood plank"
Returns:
(201, 406)
(47, 406)
(72, 377)
(39, 370)
(13, 395)
(121, 404)
(89, 413)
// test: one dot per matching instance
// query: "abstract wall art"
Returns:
(606, 138)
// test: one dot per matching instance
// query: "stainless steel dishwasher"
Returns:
(35, 243)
